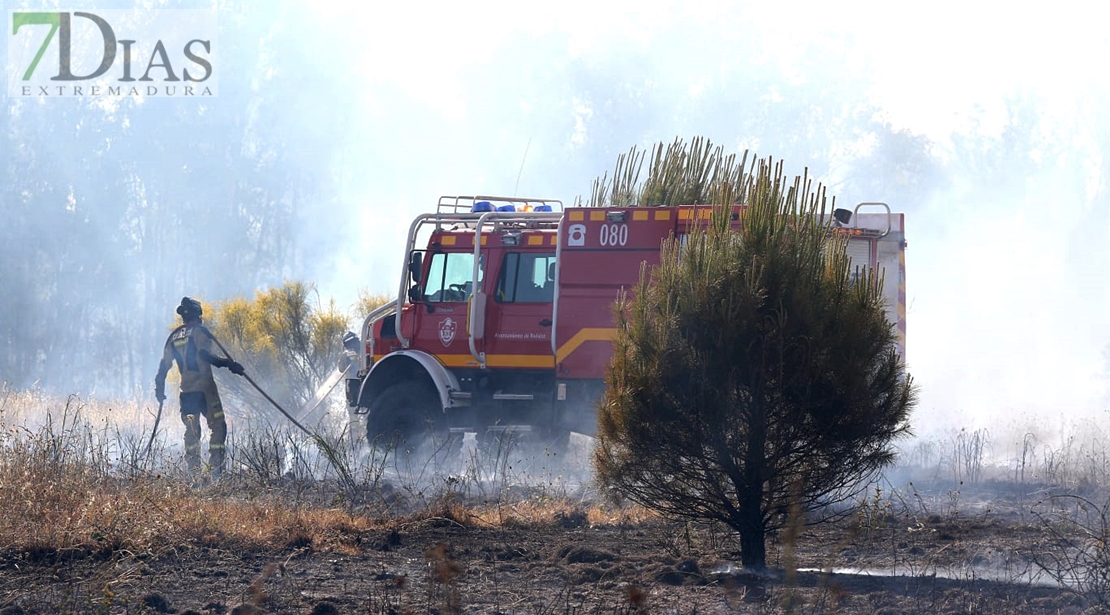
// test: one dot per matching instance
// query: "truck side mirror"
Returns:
(416, 266)
(414, 294)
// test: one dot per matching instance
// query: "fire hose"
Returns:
(328, 451)
(254, 384)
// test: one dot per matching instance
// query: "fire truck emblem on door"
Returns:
(447, 330)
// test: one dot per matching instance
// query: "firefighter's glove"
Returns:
(160, 391)
(236, 368)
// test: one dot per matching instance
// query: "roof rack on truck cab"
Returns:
(482, 204)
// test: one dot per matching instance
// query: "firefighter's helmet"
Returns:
(189, 308)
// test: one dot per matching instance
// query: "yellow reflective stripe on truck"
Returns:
(589, 334)
(537, 361)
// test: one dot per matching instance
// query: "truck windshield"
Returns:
(449, 277)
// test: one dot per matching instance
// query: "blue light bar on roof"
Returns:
(506, 208)
(542, 208)
(481, 207)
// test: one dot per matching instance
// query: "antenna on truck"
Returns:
(521, 171)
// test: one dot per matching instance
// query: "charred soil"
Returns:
(452, 563)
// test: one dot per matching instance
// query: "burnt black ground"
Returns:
(884, 564)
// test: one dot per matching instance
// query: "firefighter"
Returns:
(349, 361)
(190, 347)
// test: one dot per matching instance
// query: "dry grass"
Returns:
(73, 479)
(61, 506)
(73, 485)
(563, 512)
(32, 409)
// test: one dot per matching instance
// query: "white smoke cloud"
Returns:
(1006, 269)
(996, 322)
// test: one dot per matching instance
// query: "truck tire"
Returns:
(403, 414)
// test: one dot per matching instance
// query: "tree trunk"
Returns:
(753, 543)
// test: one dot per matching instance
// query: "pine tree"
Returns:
(752, 375)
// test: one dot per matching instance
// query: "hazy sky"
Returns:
(1007, 272)
(996, 331)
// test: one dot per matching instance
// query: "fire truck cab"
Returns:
(503, 316)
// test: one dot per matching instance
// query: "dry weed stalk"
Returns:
(444, 573)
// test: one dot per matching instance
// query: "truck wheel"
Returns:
(402, 414)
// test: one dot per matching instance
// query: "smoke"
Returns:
(336, 125)
(990, 145)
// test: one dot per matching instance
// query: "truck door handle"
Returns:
(546, 322)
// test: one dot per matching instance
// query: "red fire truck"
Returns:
(503, 317)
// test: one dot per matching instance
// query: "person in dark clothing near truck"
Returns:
(190, 347)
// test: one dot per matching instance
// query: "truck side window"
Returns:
(526, 278)
(449, 277)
